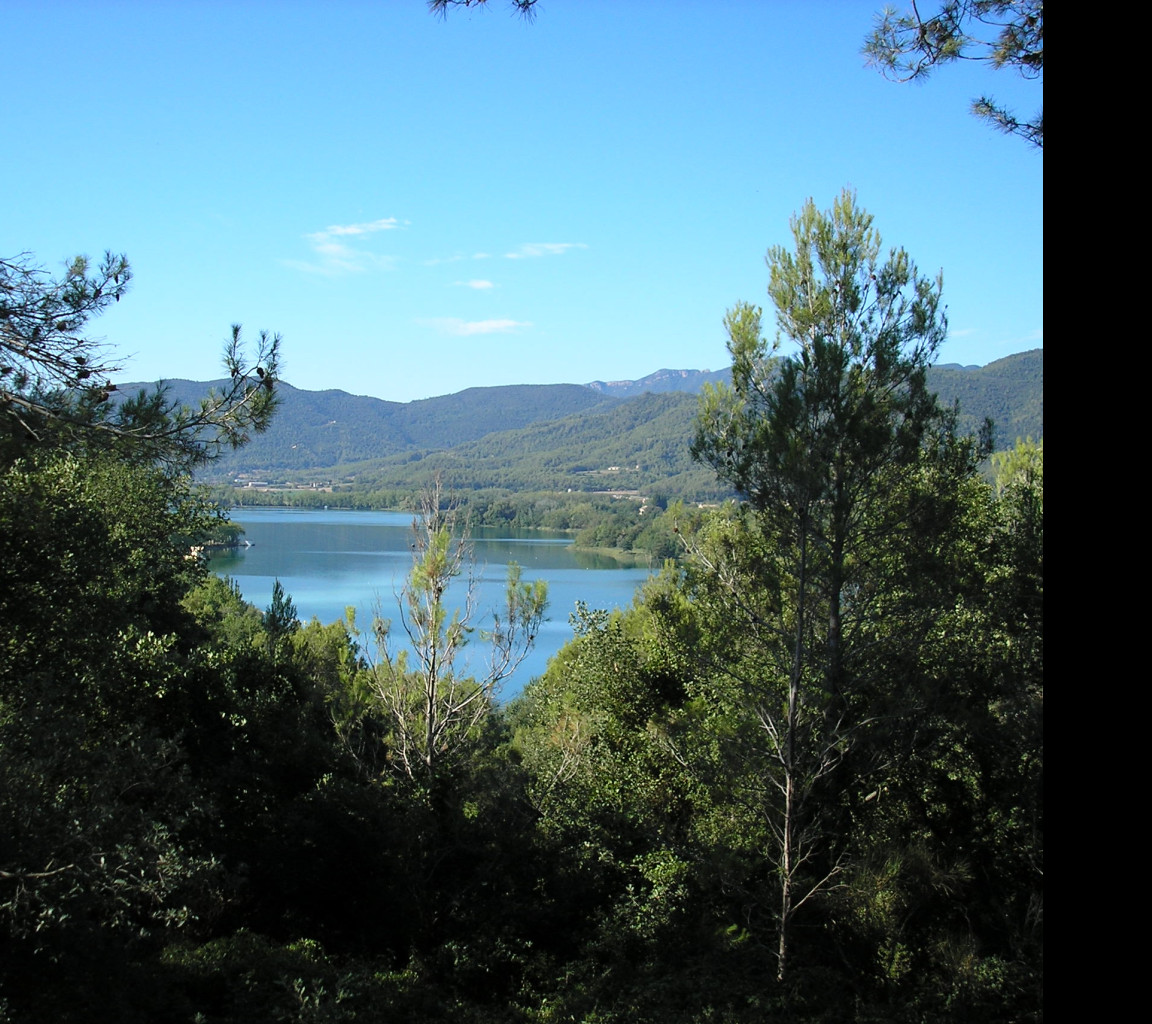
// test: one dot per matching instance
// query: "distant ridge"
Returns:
(558, 428)
(1010, 391)
(691, 381)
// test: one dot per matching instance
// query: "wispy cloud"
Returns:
(478, 284)
(435, 261)
(368, 228)
(334, 255)
(465, 328)
(530, 250)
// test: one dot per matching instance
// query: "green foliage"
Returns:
(224, 534)
(626, 526)
(89, 551)
(854, 398)
(247, 977)
(649, 760)
(148, 746)
(951, 885)
(1020, 472)
(615, 817)
(280, 619)
(850, 471)
(218, 606)
(96, 804)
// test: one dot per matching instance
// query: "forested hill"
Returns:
(523, 435)
(317, 430)
(1010, 391)
(636, 445)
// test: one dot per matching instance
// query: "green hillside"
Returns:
(639, 444)
(555, 437)
(1010, 391)
(315, 431)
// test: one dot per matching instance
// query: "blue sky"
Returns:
(422, 205)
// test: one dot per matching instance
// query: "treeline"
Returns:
(627, 523)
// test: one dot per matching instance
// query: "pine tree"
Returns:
(843, 457)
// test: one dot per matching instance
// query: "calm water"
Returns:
(328, 560)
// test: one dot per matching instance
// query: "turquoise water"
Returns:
(328, 560)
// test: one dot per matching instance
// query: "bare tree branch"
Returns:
(999, 33)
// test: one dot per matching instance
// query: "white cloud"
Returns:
(477, 284)
(530, 250)
(338, 257)
(465, 328)
(384, 224)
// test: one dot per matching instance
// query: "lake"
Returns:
(329, 559)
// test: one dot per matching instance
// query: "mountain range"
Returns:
(605, 434)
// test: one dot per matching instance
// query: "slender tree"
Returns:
(434, 709)
(827, 444)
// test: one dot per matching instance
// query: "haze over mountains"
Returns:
(617, 434)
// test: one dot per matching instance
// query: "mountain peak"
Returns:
(660, 381)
